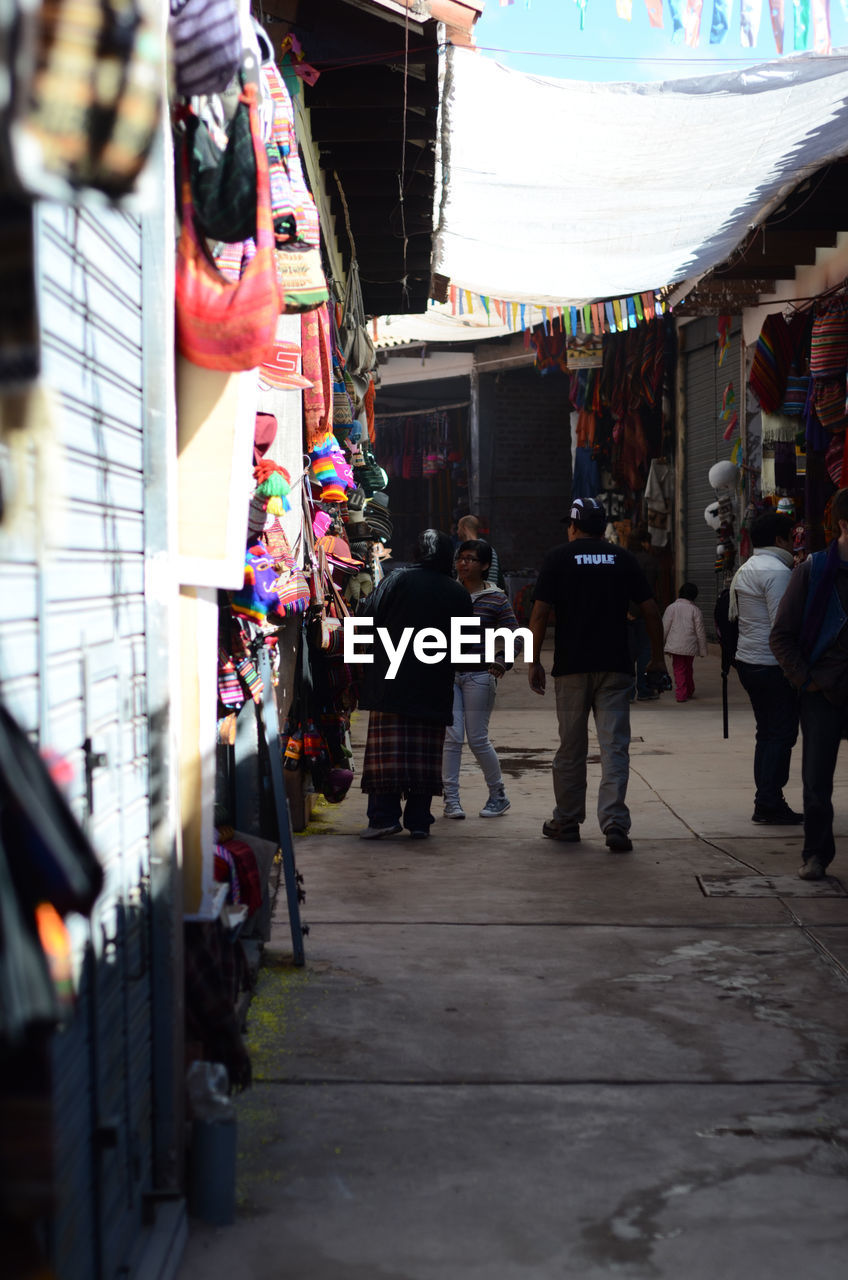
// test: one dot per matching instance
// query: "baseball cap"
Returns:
(587, 512)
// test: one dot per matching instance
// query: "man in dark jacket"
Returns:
(586, 584)
(410, 707)
(810, 641)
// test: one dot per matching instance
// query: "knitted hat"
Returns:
(324, 469)
(321, 522)
(333, 491)
(257, 597)
(273, 483)
(338, 553)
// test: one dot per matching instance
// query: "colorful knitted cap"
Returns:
(257, 596)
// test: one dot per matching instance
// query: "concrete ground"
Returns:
(508, 1058)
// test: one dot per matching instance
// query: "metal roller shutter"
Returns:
(72, 646)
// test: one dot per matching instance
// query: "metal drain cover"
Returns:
(736, 885)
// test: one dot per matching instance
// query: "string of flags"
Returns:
(611, 316)
(810, 21)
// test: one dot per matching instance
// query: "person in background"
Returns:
(586, 585)
(684, 636)
(638, 543)
(474, 690)
(409, 713)
(810, 641)
(755, 594)
(468, 528)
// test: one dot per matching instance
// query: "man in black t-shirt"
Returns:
(586, 584)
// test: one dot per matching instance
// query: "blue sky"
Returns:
(610, 49)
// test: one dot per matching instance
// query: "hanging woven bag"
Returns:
(224, 324)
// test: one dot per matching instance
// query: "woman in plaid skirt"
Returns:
(409, 713)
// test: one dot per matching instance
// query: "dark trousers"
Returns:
(823, 726)
(640, 653)
(384, 811)
(775, 706)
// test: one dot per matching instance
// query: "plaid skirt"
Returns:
(403, 756)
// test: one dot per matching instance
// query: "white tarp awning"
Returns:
(566, 191)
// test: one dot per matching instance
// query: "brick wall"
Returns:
(525, 456)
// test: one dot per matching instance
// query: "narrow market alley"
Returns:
(511, 1058)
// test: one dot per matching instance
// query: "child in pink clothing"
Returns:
(683, 637)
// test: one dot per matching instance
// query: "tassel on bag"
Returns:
(223, 324)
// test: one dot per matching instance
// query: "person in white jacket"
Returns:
(684, 637)
(755, 592)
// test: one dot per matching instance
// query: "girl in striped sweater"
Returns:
(474, 689)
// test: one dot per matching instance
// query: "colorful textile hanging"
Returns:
(749, 22)
(821, 26)
(677, 10)
(692, 22)
(655, 15)
(777, 23)
(721, 20)
(624, 9)
(802, 25)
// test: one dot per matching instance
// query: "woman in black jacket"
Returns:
(410, 711)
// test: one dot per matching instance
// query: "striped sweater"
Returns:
(492, 606)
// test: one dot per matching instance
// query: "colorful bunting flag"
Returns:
(749, 22)
(655, 14)
(777, 21)
(721, 20)
(802, 24)
(821, 26)
(692, 22)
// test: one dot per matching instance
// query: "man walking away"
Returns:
(468, 530)
(810, 641)
(755, 593)
(587, 584)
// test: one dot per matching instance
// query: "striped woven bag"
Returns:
(225, 324)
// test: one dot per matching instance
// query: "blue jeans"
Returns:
(823, 726)
(606, 694)
(473, 699)
(775, 706)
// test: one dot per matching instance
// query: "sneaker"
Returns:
(421, 835)
(379, 833)
(647, 697)
(812, 869)
(782, 816)
(556, 829)
(453, 809)
(495, 805)
(618, 841)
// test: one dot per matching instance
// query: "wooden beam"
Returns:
(361, 127)
(419, 158)
(743, 272)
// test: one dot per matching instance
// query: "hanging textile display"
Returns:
(721, 21)
(802, 25)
